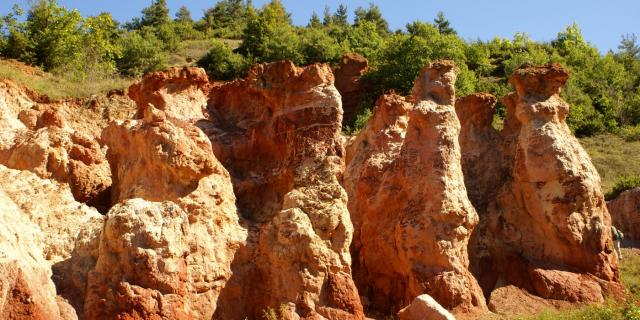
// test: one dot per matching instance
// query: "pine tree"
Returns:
(184, 15)
(341, 16)
(314, 22)
(156, 14)
(443, 24)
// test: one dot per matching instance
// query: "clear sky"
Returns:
(602, 22)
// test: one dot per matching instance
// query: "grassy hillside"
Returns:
(613, 157)
(57, 86)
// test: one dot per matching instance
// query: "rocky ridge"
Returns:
(224, 200)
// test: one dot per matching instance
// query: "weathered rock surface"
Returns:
(52, 150)
(278, 133)
(41, 224)
(482, 159)
(185, 272)
(179, 92)
(548, 229)
(424, 307)
(625, 214)
(409, 202)
(347, 80)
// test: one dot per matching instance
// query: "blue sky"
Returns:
(602, 22)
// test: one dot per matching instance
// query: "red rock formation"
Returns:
(179, 92)
(407, 196)
(480, 145)
(54, 151)
(173, 164)
(625, 214)
(278, 133)
(548, 230)
(347, 74)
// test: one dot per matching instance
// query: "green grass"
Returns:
(614, 157)
(56, 86)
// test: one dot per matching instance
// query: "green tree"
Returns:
(101, 45)
(226, 19)
(142, 53)
(341, 17)
(314, 21)
(374, 15)
(54, 36)
(269, 35)
(221, 63)
(157, 14)
(365, 39)
(184, 15)
(443, 24)
(318, 46)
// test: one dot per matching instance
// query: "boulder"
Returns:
(348, 73)
(625, 214)
(407, 196)
(278, 133)
(424, 307)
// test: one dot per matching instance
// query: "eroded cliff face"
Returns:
(407, 194)
(278, 133)
(223, 200)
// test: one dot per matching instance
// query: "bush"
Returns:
(223, 64)
(630, 133)
(142, 53)
(361, 121)
(623, 184)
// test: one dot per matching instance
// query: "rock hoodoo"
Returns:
(278, 134)
(547, 230)
(407, 194)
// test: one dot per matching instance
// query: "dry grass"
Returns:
(57, 86)
(613, 157)
(192, 50)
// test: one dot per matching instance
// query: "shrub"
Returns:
(361, 121)
(623, 184)
(630, 133)
(223, 64)
(142, 53)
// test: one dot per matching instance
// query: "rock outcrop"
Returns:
(347, 74)
(547, 230)
(41, 225)
(52, 150)
(278, 134)
(625, 214)
(407, 196)
(425, 307)
(179, 92)
(180, 272)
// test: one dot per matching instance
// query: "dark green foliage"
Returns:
(223, 64)
(623, 184)
(157, 14)
(142, 53)
(184, 15)
(226, 19)
(373, 15)
(341, 16)
(443, 24)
